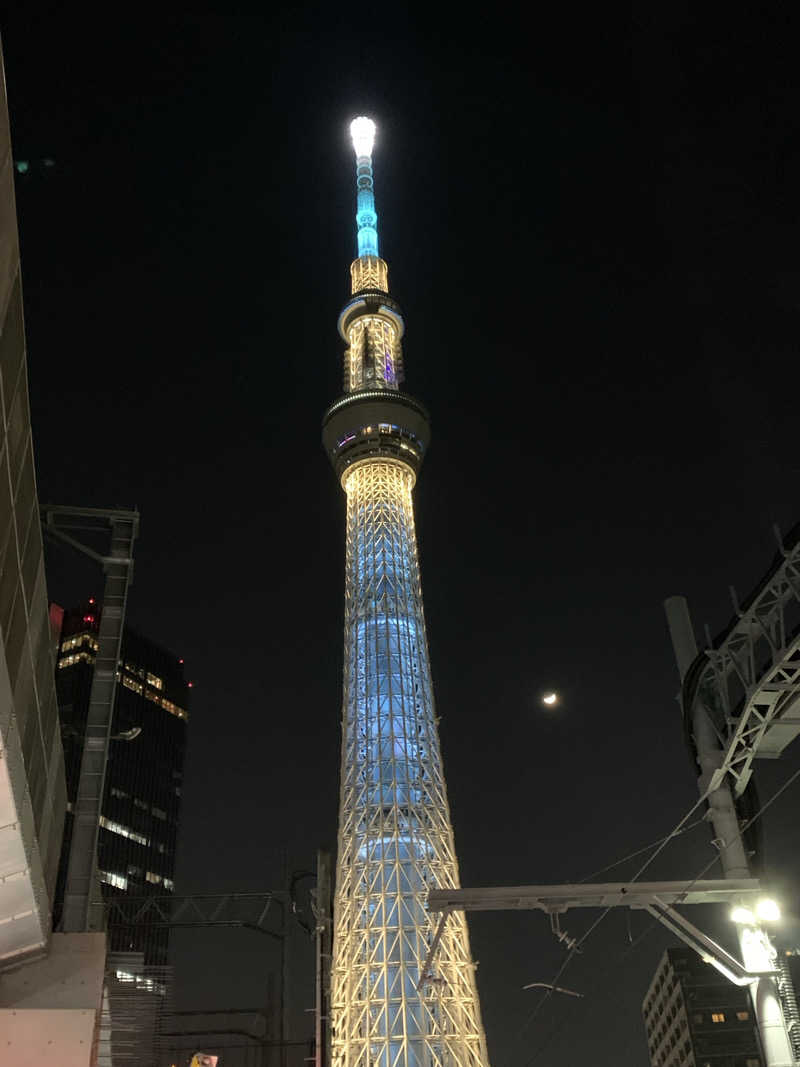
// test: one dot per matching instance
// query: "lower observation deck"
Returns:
(375, 423)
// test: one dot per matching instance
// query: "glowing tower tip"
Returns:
(362, 132)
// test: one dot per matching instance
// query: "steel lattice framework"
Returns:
(395, 833)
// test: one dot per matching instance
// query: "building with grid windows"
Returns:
(142, 799)
(694, 1017)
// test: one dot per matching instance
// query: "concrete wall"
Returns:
(32, 790)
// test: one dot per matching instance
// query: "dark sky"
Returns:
(593, 231)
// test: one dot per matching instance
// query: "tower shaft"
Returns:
(395, 833)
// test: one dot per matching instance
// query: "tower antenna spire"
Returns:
(368, 270)
(362, 131)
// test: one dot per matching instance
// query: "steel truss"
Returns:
(254, 911)
(395, 834)
(749, 682)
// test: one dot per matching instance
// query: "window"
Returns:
(140, 804)
(119, 881)
(168, 883)
(123, 831)
(155, 879)
(718, 1016)
(697, 1018)
(742, 1016)
(118, 793)
(159, 814)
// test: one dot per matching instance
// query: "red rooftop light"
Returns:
(190, 684)
(88, 618)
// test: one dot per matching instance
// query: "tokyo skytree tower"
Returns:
(395, 834)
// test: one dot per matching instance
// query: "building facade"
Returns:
(395, 834)
(32, 789)
(695, 1017)
(142, 800)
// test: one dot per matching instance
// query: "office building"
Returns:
(695, 1017)
(142, 798)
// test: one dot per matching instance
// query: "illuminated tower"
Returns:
(395, 835)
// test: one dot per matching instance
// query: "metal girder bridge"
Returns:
(659, 899)
(749, 679)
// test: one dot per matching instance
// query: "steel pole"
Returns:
(757, 951)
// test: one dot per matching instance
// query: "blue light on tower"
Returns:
(362, 130)
(395, 837)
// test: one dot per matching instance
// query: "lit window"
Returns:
(118, 793)
(742, 1016)
(140, 804)
(168, 883)
(123, 831)
(119, 881)
(155, 879)
(155, 681)
(718, 1016)
(159, 814)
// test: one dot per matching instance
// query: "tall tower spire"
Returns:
(395, 834)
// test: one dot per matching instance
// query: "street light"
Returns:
(127, 735)
(742, 916)
(768, 910)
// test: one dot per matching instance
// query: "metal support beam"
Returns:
(251, 911)
(323, 916)
(83, 909)
(738, 701)
(657, 898)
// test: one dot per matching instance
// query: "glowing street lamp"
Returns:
(768, 910)
(742, 916)
(550, 699)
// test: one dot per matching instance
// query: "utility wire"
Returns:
(661, 845)
(649, 929)
(639, 851)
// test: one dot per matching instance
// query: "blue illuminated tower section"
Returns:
(395, 834)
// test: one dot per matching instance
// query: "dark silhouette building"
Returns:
(142, 798)
(695, 1017)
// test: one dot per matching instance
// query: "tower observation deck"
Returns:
(395, 834)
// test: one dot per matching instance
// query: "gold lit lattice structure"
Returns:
(395, 834)
(369, 272)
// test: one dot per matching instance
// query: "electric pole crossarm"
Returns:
(560, 898)
(656, 898)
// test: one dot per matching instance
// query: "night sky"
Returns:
(593, 230)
